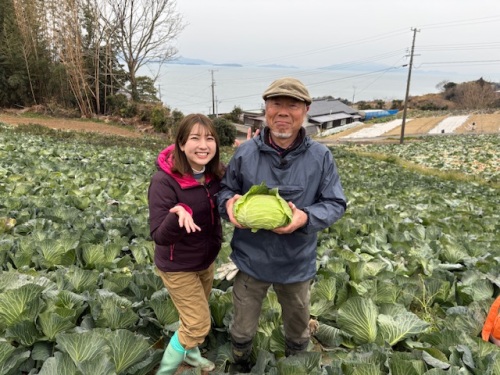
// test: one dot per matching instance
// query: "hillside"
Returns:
(467, 124)
(483, 123)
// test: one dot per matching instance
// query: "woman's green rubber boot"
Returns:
(174, 355)
(195, 359)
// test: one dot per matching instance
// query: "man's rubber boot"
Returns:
(174, 355)
(194, 358)
(293, 348)
(241, 357)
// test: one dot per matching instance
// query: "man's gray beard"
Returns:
(282, 135)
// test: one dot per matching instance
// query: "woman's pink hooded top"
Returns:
(175, 249)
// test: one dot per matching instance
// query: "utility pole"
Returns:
(213, 92)
(408, 87)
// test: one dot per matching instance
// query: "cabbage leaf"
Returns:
(358, 317)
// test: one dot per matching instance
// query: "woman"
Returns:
(186, 228)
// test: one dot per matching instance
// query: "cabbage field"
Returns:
(405, 279)
(475, 156)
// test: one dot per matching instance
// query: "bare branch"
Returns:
(475, 95)
(145, 32)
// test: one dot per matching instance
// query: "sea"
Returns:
(218, 89)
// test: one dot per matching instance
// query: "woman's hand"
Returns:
(185, 219)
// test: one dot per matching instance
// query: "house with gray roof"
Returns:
(323, 115)
(326, 114)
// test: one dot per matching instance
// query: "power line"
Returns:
(459, 47)
(472, 21)
(327, 81)
(371, 39)
(462, 62)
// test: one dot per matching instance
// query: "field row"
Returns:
(472, 155)
(460, 124)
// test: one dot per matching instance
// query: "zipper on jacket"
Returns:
(212, 204)
(171, 252)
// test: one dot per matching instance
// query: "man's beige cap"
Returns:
(288, 86)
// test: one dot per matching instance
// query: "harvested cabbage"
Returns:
(262, 208)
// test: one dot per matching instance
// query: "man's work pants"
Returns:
(248, 295)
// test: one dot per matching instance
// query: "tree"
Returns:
(144, 30)
(475, 95)
(58, 51)
(146, 89)
(234, 115)
(159, 118)
(448, 88)
(362, 105)
(10, 56)
(397, 104)
(72, 55)
(25, 13)
(225, 130)
(26, 73)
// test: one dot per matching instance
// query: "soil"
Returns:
(483, 123)
(71, 124)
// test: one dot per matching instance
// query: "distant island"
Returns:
(189, 61)
(368, 67)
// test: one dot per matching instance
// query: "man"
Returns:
(306, 176)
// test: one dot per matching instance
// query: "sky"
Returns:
(461, 36)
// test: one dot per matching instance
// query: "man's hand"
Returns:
(185, 219)
(299, 219)
(229, 210)
(226, 271)
(237, 142)
(313, 326)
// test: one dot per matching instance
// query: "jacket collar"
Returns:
(302, 139)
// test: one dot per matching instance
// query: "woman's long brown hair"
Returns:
(181, 163)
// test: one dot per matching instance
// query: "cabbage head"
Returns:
(262, 208)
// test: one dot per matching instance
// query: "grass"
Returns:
(148, 142)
